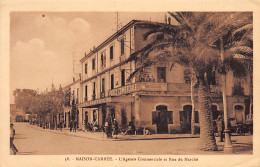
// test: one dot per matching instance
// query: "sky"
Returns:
(42, 44)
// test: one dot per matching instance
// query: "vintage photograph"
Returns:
(131, 83)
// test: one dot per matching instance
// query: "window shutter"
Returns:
(170, 117)
(154, 117)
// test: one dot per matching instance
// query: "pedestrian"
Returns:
(75, 126)
(106, 127)
(130, 128)
(60, 125)
(71, 125)
(13, 149)
(110, 128)
(220, 128)
(115, 128)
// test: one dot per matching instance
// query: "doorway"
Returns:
(86, 119)
(185, 118)
(162, 119)
(240, 114)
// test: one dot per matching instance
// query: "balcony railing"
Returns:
(141, 86)
(85, 99)
(94, 97)
(178, 87)
(102, 95)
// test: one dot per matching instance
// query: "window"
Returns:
(86, 68)
(211, 76)
(123, 77)
(103, 59)
(187, 76)
(161, 74)
(94, 91)
(93, 64)
(196, 117)
(77, 93)
(94, 88)
(122, 41)
(103, 85)
(170, 117)
(112, 81)
(86, 93)
(111, 52)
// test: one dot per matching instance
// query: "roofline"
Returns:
(67, 86)
(111, 38)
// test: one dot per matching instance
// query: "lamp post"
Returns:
(228, 144)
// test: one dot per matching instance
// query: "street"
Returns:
(33, 140)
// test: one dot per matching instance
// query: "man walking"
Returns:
(220, 127)
(12, 146)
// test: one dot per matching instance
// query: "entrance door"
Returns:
(240, 114)
(185, 118)
(162, 119)
(86, 119)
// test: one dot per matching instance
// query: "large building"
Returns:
(157, 98)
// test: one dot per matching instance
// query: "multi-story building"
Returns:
(157, 98)
(72, 96)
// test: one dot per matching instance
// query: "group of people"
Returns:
(73, 126)
(111, 127)
(146, 78)
(92, 127)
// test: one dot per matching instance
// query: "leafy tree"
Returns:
(191, 44)
(23, 98)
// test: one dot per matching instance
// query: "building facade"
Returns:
(157, 98)
(71, 111)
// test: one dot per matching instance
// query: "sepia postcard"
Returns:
(129, 83)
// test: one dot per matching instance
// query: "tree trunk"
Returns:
(192, 102)
(207, 139)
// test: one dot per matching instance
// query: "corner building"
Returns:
(157, 98)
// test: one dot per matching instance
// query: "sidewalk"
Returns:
(241, 144)
(120, 137)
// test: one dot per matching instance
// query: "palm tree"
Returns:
(235, 40)
(190, 44)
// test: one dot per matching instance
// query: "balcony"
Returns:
(102, 95)
(93, 97)
(179, 87)
(141, 86)
(238, 90)
(85, 99)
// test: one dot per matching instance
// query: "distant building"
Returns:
(71, 112)
(157, 98)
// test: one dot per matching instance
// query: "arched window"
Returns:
(240, 114)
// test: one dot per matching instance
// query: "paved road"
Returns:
(32, 140)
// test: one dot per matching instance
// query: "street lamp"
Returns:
(228, 144)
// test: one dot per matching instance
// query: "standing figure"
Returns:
(75, 126)
(106, 128)
(220, 128)
(60, 125)
(12, 146)
(71, 125)
(115, 128)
